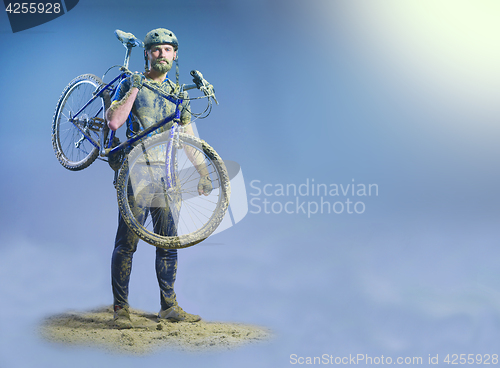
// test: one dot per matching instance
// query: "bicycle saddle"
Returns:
(128, 39)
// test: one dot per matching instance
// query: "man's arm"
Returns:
(119, 111)
(205, 184)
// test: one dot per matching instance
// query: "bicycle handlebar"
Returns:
(198, 79)
(202, 84)
(199, 83)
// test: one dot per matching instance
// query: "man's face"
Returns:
(161, 57)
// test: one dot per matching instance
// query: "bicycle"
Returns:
(155, 171)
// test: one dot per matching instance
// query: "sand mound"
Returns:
(96, 328)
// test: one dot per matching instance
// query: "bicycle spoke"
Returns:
(73, 148)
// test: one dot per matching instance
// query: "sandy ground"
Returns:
(95, 328)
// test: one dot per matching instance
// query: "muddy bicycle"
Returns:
(156, 171)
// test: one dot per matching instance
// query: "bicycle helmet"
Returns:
(160, 35)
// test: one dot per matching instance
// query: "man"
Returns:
(140, 108)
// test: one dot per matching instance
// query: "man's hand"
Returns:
(205, 185)
(137, 80)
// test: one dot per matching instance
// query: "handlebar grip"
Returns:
(196, 74)
(198, 78)
(203, 85)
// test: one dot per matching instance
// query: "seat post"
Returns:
(128, 40)
(127, 56)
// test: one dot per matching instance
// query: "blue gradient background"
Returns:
(401, 94)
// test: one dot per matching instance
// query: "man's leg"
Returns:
(121, 262)
(166, 259)
(125, 246)
(166, 270)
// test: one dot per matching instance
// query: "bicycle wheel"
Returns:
(144, 195)
(70, 139)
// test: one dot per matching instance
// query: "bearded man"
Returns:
(140, 108)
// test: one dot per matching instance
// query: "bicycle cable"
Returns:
(106, 72)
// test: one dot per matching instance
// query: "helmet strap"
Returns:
(146, 67)
(177, 70)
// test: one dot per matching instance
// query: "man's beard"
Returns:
(160, 67)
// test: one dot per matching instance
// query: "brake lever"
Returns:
(212, 93)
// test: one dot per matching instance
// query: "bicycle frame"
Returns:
(104, 151)
(175, 116)
(111, 88)
(98, 93)
(157, 167)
